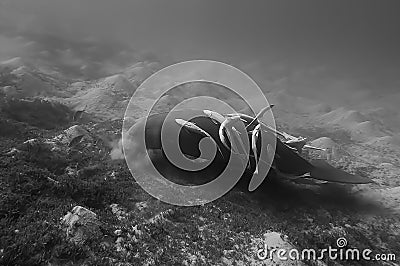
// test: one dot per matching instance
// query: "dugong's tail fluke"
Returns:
(324, 171)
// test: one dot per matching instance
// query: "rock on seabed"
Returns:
(81, 225)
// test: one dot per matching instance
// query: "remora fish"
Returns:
(244, 157)
(254, 138)
(260, 114)
(193, 127)
(214, 116)
(227, 122)
(265, 127)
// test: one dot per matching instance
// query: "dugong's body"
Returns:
(146, 134)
